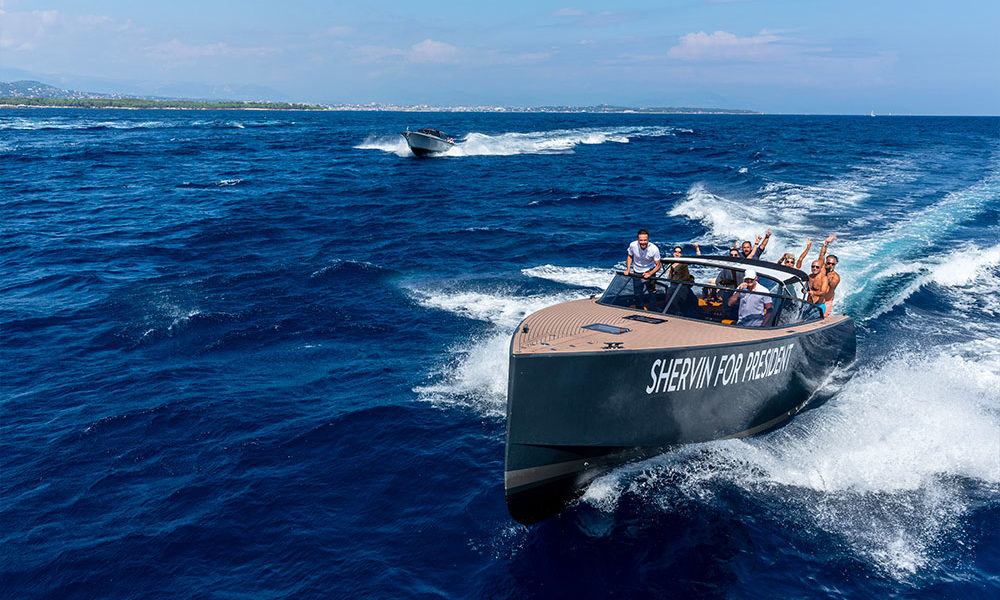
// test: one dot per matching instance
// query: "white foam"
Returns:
(498, 307)
(533, 142)
(72, 123)
(394, 144)
(550, 142)
(727, 220)
(879, 467)
(475, 377)
(867, 261)
(591, 277)
(475, 374)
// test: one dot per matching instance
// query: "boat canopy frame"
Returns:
(772, 270)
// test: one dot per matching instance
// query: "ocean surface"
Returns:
(259, 355)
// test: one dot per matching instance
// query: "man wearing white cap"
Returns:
(753, 307)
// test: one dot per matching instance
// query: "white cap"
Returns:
(750, 274)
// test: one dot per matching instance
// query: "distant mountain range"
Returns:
(37, 89)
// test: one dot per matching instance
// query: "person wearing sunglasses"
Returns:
(819, 283)
(680, 270)
(833, 278)
(753, 307)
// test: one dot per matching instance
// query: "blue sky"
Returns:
(845, 57)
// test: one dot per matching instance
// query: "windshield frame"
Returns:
(672, 287)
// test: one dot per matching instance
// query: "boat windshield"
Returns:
(706, 301)
(433, 132)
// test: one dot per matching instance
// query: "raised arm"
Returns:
(802, 257)
(756, 246)
(697, 250)
(822, 252)
(767, 236)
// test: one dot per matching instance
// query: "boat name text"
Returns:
(679, 374)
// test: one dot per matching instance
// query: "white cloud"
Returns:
(26, 31)
(430, 51)
(723, 45)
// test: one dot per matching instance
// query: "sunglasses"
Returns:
(817, 266)
(748, 280)
(832, 263)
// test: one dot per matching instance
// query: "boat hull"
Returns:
(422, 144)
(570, 417)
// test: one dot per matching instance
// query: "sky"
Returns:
(775, 56)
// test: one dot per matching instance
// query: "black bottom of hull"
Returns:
(422, 153)
(544, 501)
(533, 503)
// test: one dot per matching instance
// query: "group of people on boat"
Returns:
(643, 263)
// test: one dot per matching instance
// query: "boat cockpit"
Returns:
(700, 289)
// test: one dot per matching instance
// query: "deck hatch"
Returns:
(645, 319)
(605, 328)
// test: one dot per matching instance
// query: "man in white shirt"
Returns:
(644, 260)
(753, 308)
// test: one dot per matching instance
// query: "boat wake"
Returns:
(559, 141)
(870, 262)
(393, 144)
(909, 445)
(887, 466)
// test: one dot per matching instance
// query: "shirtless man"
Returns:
(834, 278)
(819, 284)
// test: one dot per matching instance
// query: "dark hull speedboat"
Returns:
(424, 142)
(595, 383)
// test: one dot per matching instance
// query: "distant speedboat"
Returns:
(652, 364)
(428, 141)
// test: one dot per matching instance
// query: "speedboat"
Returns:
(428, 141)
(656, 363)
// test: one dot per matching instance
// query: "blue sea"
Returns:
(252, 354)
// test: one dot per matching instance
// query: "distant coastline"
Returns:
(143, 103)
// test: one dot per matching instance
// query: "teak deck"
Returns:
(559, 329)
